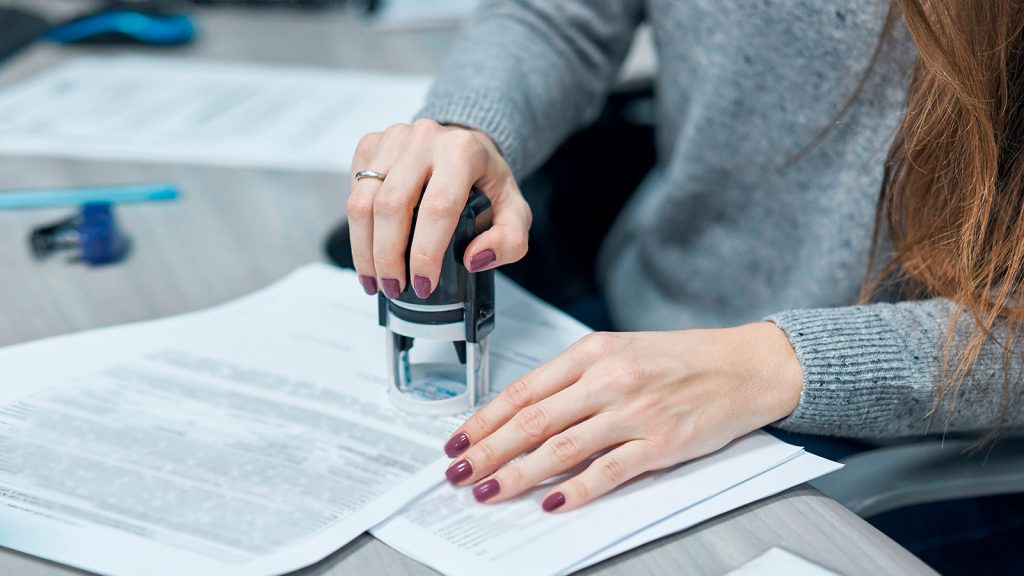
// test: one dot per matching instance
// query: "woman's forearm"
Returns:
(529, 72)
(875, 371)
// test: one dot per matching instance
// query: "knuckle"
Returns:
(437, 207)
(475, 425)
(465, 144)
(360, 206)
(532, 421)
(611, 470)
(520, 244)
(387, 262)
(421, 260)
(517, 394)
(597, 344)
(566, 449)
(425, 125)
(528, 212)
(660, 440)
(366, 145)
(485, 458)
(512, 478)
(396, 129)
(579, 489)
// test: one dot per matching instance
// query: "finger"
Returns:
(539, 383)
(436, 219)
(392, 219)
(508, 238)
(557, 455)
(360, 211)
(602, 476)
(524, 431)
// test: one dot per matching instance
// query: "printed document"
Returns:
(446, 531)
(182, 111)
(256, 438)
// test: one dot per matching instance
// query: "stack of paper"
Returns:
(255, 438)
(187, 111)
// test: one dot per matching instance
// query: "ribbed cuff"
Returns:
(856, 370)
(486, 113)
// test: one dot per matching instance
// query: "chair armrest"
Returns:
(882, 479)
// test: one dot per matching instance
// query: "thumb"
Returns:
(507, 239)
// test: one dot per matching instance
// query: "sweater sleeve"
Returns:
(530, 72)
(874, 371)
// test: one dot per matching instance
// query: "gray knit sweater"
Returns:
(728, 229)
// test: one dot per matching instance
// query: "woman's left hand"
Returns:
(649, 399)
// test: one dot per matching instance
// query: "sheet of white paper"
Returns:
(147, 108)
(253, 438)
(447, 530)
(778, 561)
(803, 468)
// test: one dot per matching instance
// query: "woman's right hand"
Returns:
(435, 167)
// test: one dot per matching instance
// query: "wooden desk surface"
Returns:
(236, 230)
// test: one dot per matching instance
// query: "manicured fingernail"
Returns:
(553, 502)
(421, 285)
(485, 490)
(456, 445)
(459, 471)
(390, 286)
(481, 260)
(369, 284)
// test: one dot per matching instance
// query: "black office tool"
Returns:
(18, 29)
(460, 310)
(92, 234)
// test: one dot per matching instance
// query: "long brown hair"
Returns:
(952, 199)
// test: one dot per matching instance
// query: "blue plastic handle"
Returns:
(99, 239)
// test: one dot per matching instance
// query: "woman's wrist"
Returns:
(763, 359)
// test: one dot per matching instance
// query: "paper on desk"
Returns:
(803, 468)
(154, 109)
(447, 531)
(253, 438)
(778, 561)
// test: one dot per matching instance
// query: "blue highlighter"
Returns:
(151, 22)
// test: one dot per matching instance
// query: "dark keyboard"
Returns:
(18, 29)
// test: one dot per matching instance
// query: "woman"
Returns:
(774, 119)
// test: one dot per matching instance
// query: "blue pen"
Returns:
(77, 196)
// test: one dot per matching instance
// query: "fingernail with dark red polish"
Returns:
(390, 286)
(459, 471)
(485, 490)
(553, 502)
(421, 285)
(481, 260)
(456, 445)
(369, 284)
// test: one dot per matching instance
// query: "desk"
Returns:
(236, 230)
